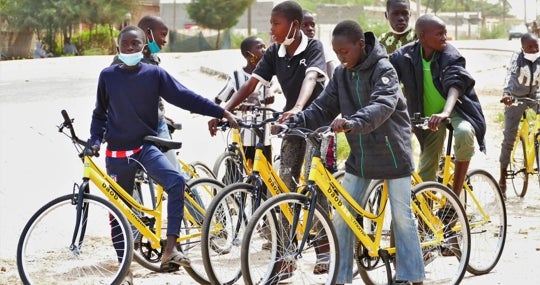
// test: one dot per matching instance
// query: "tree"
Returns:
(217, 14)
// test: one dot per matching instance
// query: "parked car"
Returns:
(517, 31)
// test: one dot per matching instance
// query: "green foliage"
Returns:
(343, 148)
(311, 5)
(497, 32)
(95, 41)
(53, 20)
(217, 14)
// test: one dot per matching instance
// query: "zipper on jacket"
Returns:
(355, 74)
(391, 151)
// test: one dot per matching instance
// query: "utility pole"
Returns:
(456, 19)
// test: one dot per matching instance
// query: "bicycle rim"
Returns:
(47, 236)
(488, 233)
(518, 168)
(223, 229)
(202, 170)
(227, 168)
(269, 253)
(445, 260)
(203, 190)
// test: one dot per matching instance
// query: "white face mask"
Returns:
(290, 40)
(532, 57)
(398, 33)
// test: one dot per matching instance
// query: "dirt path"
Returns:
(522, 251)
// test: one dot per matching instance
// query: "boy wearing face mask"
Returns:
(522, 80)
(128, 95)
(298, 63)
(252, 49)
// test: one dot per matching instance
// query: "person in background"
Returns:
(522, 80)
(365, 91)
(437, 85)
(69, 48)
(252, 49)
(398, 13)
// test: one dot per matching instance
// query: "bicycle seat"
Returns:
(163, 144)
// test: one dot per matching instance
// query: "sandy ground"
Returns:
(37, 164)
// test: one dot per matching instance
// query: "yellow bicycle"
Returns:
(72, 233)
(483, 203)
(295, 243)
(526, 150)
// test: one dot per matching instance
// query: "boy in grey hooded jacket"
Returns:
(366, 92)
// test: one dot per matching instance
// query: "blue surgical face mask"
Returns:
(152, 45)
(131, 59)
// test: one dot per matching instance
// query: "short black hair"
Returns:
(389, 3)
(350, 29)
(149, 22)
(290, 10)
(424, 21)
(528, 36)
(246, 44)
(130, 28)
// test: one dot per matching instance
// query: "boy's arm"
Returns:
(244, 91)
(436, 119)
(99, 116)
(306, 91)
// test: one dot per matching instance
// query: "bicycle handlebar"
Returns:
(68, 123)
(275, 116)
(422, 122)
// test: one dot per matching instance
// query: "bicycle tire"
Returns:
(373, 270)
(223, 229)
(518, 168)
(204, 189)
(228, 168)
(441, 268)
(202, 170)
(488, 234)
(281, 260)
(47, 236)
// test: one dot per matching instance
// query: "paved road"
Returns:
(37, 163)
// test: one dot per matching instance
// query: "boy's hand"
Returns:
(507, 99)
(289, 114)
(435, 121)
(212, 126)
(269, 99)
(340, 125)
(231, 119)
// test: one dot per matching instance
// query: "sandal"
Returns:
(128, 279)
(174, 262)
(320, 268)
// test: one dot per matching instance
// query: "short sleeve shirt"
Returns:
(291, 71)
(433, 100)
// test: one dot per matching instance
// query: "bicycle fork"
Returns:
(81, 217)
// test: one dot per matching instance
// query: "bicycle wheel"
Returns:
(228, 168)
(487, 221)
(445, 260)
(92, 259)
(281, 260)
(223, 229)
(518, 168)
(372, 270)
(202, 190)
(202, 170)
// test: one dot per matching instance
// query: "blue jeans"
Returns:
(410, 263)
(161, 170)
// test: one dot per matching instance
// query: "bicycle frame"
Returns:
(122, 200)
(531, 137)
(333, 190)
